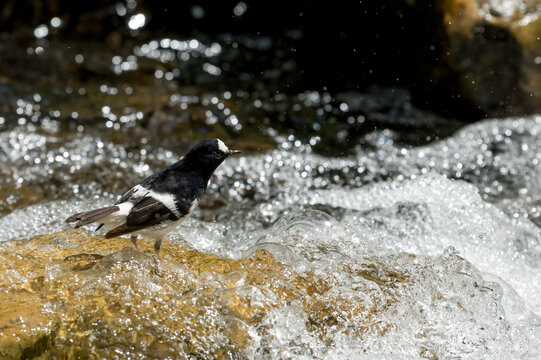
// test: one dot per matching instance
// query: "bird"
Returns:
(162, 201)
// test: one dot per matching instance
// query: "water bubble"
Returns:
(197, 12)
(240, 8)
(56, 22)
(194, 43)
(215, 48)
(120, 9)
(212, 69)
(116, 60)
(164, 43)
(132, 4)
(137, 21)
(41, 31)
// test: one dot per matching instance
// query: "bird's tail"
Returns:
(88, 217)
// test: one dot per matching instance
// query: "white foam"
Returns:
(476, 302)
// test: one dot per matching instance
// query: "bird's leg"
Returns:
(134, 240)
(157, 245)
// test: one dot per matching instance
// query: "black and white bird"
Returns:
(158, 204)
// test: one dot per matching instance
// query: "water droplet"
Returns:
(137, 21)
(41, 31)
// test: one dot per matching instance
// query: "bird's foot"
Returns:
(157, 245)
(134, 240)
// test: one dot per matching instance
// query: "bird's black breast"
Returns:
(182, 185)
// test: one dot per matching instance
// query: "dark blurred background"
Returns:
(324, 72)
(468, 70)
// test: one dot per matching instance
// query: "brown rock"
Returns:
(495, 52)
(71, 295)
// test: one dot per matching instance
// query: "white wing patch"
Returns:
(118, 217)
(167, 199)
(124, 209)
(222, 146)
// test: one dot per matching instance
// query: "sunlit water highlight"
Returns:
(471, 248)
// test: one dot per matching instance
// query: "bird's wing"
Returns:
(89, 217)
(138, 191)
(146, 212)
(126, 196)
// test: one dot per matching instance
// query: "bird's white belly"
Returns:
(160, 230)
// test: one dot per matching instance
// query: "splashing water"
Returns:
(411, 259)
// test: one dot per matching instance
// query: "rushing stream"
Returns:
(466, 258)
(339, 234)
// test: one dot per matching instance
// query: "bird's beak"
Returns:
(233, 152)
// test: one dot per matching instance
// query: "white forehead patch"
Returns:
(222, 146)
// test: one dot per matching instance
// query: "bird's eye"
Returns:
(217, 154)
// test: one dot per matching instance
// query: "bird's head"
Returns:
(210, 153)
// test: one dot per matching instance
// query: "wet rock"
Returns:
(68, 294)
(495, 50)
(308, 285)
